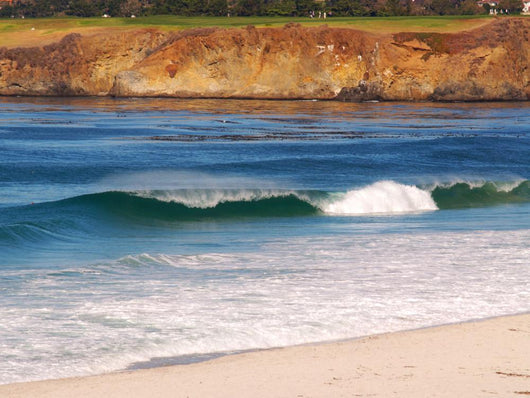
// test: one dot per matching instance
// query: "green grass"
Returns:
(171, 22)
(398, 24)
(48, 27)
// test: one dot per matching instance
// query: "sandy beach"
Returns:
(473, 359)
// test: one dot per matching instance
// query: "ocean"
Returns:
(145, 232)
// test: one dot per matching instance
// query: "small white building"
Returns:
(526, 7)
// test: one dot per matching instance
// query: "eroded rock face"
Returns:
(76, 65)
(293, 62)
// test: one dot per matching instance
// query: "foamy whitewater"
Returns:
(382, 197)
(342, 220)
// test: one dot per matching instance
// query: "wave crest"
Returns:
(210, 198)
(382, 197)
(468, 194)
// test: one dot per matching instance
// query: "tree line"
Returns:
(305, 8)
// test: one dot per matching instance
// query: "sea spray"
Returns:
(382, 197)
(210, 198)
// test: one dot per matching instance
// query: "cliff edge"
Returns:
(294, 62)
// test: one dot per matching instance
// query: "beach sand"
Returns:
(473, 359)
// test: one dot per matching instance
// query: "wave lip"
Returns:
(192, 205)
(383, 197)
(211, 198)
(467, 194)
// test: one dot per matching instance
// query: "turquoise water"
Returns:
(137, 232)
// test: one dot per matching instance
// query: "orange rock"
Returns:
(171, 69)
(293, 62)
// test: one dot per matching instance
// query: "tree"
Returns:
(279, 7)
(130, 7)
(7, 11)
(82, 8)
(470, 7)
(303, 7)
(218, 7)
(513, 6)
(248, 7)
(348, 7)
(442, 7)
(395, 8)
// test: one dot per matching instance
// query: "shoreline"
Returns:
(190, 359)
(466, 359)
(30, 97)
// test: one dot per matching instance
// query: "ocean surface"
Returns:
(137, 233)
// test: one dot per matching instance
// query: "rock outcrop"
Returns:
(293, 62)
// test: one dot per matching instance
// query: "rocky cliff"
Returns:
(293, 62)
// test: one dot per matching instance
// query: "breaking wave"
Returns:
(46, 220)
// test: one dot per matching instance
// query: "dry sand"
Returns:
(474, 359)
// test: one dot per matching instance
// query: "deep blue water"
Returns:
(141, 229)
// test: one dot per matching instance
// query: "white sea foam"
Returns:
(209, 198)
(382, 197)
(509, 184)
(290, 291)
